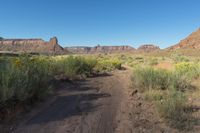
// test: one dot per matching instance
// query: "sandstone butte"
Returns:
(31, 46)
(148, 48)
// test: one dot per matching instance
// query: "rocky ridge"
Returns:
(148, 48)
(100, 49)
(31, 46)
(39, 46)
(190, 42)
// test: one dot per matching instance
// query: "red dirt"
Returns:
(165, 65)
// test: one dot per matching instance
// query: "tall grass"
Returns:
(149, 78)
(173, 108)
(167, 89)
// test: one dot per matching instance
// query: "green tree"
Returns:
(1, 38)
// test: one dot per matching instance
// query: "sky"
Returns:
(105, 22)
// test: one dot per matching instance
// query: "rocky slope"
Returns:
(31, 46)
(191, 42)
(100, 49)
(148, 48)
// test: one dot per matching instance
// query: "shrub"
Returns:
(159, 79)
(153, 61)
(154, 95)
(149, 78)
(104, 65)
(23, 78)
(173, 108)
(72, 66)
(158, 85)
(139, 58)
(180, 58)
(187, 69)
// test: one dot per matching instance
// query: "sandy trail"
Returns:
(103, 104)
(90, 106)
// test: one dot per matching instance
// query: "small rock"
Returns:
(134, 92)
(139, 104)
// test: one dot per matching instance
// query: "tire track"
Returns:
(89, 106)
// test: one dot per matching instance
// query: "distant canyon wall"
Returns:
(100, 49)
(112, 49)
(31, 46)
(148, 48)
(39, 46)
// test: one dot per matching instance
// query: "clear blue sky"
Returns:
(105, 22)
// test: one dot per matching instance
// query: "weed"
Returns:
(172, 108)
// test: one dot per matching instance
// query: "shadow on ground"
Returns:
(68, 106)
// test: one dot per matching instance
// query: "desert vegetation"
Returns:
(170, 89)
(26, 79)
(170, 82)
(23, 78)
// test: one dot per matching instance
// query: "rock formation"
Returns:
(148, 48)
(100, 49)
(31, 46)
(191, 42)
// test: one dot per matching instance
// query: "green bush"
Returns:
(23, 78)
(188, 69)
(139, 58)
(27, 78)
(159, 79)
(154, 95)
(158, 85)
(149, 78)
(153, 61)
(105, 65)
(180, 58)
(173, 108)
(72, 66)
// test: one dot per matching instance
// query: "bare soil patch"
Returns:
(165, 65)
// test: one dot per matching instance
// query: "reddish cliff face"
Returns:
(31, 46)
(191, 42)
(100, 49)
(148, 48)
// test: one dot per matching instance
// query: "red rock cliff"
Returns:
(31, 46)
(191, 42)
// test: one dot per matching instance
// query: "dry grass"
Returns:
(170, 90)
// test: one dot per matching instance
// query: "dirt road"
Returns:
(103, 104)
(91, 106)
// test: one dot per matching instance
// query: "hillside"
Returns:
(190, 42)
